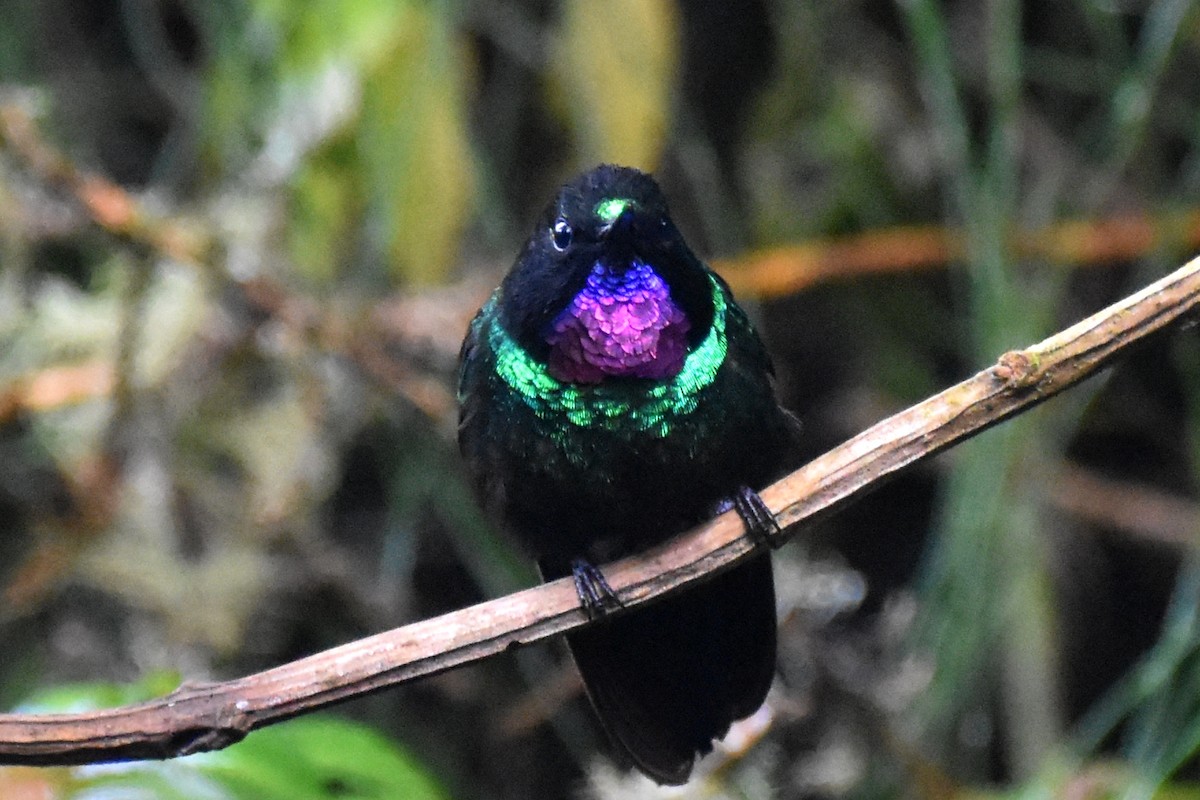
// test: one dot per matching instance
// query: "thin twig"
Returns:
(791, 268)
(199, 717)
(1146, 515)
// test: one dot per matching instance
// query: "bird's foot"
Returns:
(595, 595)
(760, 522)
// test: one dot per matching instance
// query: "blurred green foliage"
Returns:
(367, 117)
(371, 111)
(616, 81)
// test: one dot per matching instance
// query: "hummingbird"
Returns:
(612, 394)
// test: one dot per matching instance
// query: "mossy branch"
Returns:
(199, 717)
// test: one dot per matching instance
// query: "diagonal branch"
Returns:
(199, 717)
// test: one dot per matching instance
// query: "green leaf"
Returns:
(325, 201)
(312, 758)
(616, 65)
(72, 698)
(418, 161)
(317, 32)
(321, 757)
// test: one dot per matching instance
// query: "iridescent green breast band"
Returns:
(612, 406)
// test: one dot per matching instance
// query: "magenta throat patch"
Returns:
(619, 325)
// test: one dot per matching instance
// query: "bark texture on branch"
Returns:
(199, 717)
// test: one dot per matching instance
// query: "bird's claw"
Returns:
(595, 595)
(760, 522)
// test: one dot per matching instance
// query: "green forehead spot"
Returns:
(608, 210)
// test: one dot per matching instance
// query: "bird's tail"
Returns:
(668, 679)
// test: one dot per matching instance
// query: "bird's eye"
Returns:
(562, 234)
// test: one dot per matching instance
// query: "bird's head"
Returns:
(606, 287)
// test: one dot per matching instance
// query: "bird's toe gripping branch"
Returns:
(595, 595)
(760, 522)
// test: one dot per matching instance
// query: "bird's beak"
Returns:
(620, 237)
(621, 229)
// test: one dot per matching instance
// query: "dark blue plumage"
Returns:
(613, 395)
